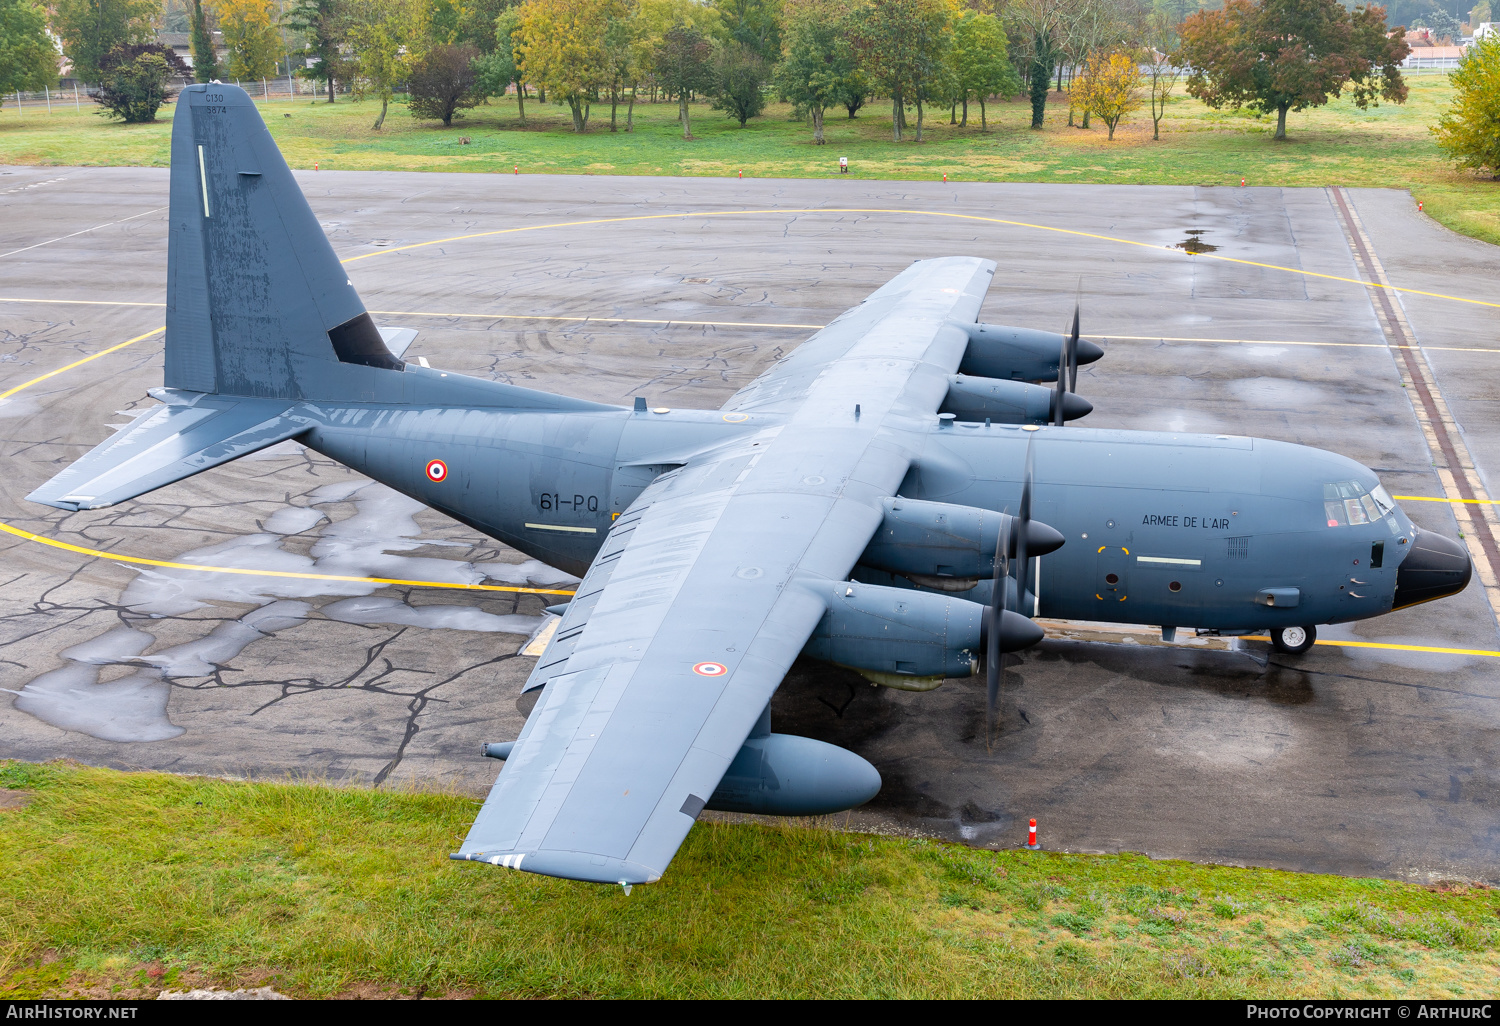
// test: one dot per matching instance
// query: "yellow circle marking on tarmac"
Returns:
(79, 363)
(141, 561)
(29, 536)
(929, 213)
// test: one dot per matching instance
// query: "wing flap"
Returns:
(168, 443)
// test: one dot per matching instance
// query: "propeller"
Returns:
(1015, 531)
(1073, 350)
(999, 606)
(1023, 564)
(1067, 372)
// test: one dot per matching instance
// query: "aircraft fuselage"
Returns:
(1194, 531)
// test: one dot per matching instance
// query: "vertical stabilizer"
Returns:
(257, 302)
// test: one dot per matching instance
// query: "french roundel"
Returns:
(710, 669)
(437, 471)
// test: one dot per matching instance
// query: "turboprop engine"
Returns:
(1021, 354)
(908, 639)
(1010, 402)
(947, 547)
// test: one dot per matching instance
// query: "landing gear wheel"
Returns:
(1293, 640)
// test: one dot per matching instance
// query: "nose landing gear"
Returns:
(1293, 640)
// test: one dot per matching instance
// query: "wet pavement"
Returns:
(1351, 760)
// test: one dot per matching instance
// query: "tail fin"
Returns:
(258, 305)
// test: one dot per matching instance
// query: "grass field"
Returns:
(1388, 146)
(125, 884)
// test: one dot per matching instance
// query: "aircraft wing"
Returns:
(706, 590)
(906, 297)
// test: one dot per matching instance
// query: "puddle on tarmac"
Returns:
(1194, 244)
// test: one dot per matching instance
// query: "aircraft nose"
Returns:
(1088, 351)
(1435, 568)
(1075, 406)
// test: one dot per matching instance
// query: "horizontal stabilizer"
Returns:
(397, 339)
(167, 444)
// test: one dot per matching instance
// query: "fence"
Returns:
(75, 97)
(1429, 65)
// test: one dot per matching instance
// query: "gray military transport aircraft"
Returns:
(867, 501)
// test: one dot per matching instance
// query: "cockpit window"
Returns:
(1346, 504)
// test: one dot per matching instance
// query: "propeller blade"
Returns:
(1062, 384)
(1023, 563)
(999, 600)
(1073, 352)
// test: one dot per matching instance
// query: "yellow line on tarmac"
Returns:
(928, 213)
(1441, 498)
(1395, 648)
(78, 363)
(141, 561)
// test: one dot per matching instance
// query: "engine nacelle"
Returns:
(783, 775)
(899, 633)
(1009, 402)
(940, 540)
(1022, 354)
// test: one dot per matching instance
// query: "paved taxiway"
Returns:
(1352, 760)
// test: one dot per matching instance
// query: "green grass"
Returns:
(123, 884)
(1387, 146)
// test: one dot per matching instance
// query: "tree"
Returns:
(479, 25)
(1480, 13)
(1444, 26)
(1108, 86)
(135, 80)
(903, 43)
(562, 49)
(622, 61)
(1159, 33)
(205, 57)
(322, 25)
(1469, 132)
(738, 75)
(755, 24)
(815, 73)
(684, 64)
(387, 39)
(980, 65)
(496, 70)
(28, 60)
(442, 82)
(1038, 27)
(90, 29)
(1288, 55)
(250, 36)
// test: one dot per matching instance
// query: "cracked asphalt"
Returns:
(1348, 760)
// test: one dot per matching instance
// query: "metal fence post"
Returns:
(18, 103)
(76, 105)
(48, 94)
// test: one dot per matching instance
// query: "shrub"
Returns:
(443, 82)
(135, 80)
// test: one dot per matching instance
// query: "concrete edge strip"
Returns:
(1467, 498)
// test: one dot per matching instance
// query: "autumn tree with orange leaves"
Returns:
(1109, 87)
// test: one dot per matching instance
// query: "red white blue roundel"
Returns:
(710, 669)
(437, 471)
